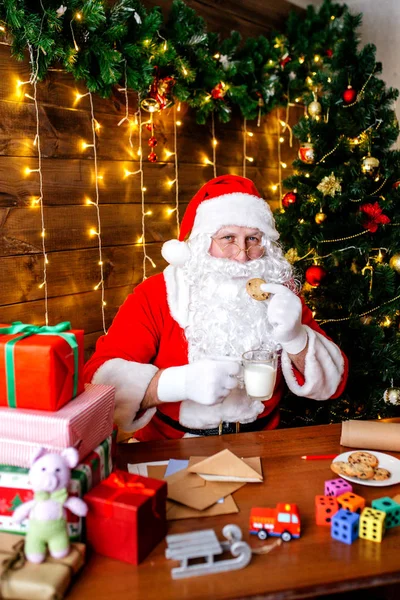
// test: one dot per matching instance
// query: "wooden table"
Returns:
(312, 566)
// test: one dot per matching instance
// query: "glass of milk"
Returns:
(259, 373)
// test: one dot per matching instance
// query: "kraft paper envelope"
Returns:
(193, 491)
(177, 511)
(226, 466)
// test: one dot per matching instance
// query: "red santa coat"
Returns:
(145, 337)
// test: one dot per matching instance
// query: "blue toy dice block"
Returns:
(345, 526)
(337, 487)
(391, 508)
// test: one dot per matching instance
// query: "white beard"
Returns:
(223, 319)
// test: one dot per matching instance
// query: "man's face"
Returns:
(237, 243)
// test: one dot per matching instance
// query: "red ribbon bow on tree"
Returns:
(373, 216)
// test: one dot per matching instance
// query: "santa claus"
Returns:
(174, 350)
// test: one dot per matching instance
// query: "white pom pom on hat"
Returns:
(223, 201)
(176, 253)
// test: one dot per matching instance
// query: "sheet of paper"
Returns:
(141, 468)
(175, 465)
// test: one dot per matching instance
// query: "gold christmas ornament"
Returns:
(314, 109)
(392, 396)
(370, 165)
(150, 105)
(394, 263)
(329, 185)
(292, 256)
(320, 218)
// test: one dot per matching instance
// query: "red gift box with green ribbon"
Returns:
(127, 516)
(40, 367)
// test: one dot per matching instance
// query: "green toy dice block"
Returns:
(372, 524)
(391, 508)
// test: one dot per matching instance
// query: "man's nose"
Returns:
(242, 256)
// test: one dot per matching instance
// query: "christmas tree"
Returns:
(340, 217)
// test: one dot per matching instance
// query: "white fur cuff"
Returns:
(324, 367)
(131, 380)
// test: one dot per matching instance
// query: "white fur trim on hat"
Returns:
(238, 208)
(176, 253)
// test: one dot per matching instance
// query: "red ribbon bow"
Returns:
(129, 484)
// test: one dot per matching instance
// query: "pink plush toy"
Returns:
(49, 476)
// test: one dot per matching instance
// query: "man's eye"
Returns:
(228, 238)
(253, 240)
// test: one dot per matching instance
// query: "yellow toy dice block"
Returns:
(352, 502)
(372, 524)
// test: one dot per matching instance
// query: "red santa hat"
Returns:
(225, 200)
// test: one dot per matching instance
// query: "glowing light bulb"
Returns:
(27, 171)
(217, 56)
(97, 125)
(148, 212)
(170, 182)
(283, 165)
(301, 59)
(43, 233)
(78, 16)
(144, 189)
(214, 142)
(179, 107)
(297, 100)
(333, 17)
(207, 161)
(184, 71)
(78, 96)
(317, 58)
(140, 239)
(2, 28)
(270, 62)
(307, 175)
(309, 80)
(93, 232)
(179, 123)
(168, 154)
(88, 201)
(169, 211)
(274, 187)
(100, 263)
(165, 46)
(281, 139)
(250, 133)
(250, 159)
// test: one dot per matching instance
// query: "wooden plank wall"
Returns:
(68, 179)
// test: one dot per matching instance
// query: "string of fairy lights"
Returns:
(38, 201)
(96, 231)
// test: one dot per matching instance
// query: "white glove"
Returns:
(284, 313)
(205, 381)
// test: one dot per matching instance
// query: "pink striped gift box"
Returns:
(84, 423)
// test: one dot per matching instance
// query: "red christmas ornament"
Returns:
(349, 95)
(289, 198)
(150, 127)
(315, 275)
(152, 157)
(284, 61)
(152, 142)
(329, 53)
(161, 89)
(396, 185)
(219, 91)
(306, 153)
(373, 216)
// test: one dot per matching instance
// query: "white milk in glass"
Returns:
(259, 380)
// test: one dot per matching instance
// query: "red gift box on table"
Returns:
(127, 516)
(83, 423)
(40, 367)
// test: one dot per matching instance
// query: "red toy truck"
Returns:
(283, 521)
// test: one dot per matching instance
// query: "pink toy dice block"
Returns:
(325, 508)
(337, 487)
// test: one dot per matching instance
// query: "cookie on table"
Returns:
(363, 458)
(361, 471)
(381, 474)
(342, 468)
(253, 289)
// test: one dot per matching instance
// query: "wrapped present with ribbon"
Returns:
(83, 423)
(15, 489)
(40, 367)
(22, 579)
(127, 516)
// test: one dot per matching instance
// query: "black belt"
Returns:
(223, 428)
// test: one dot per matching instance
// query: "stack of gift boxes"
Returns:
(44, 403)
